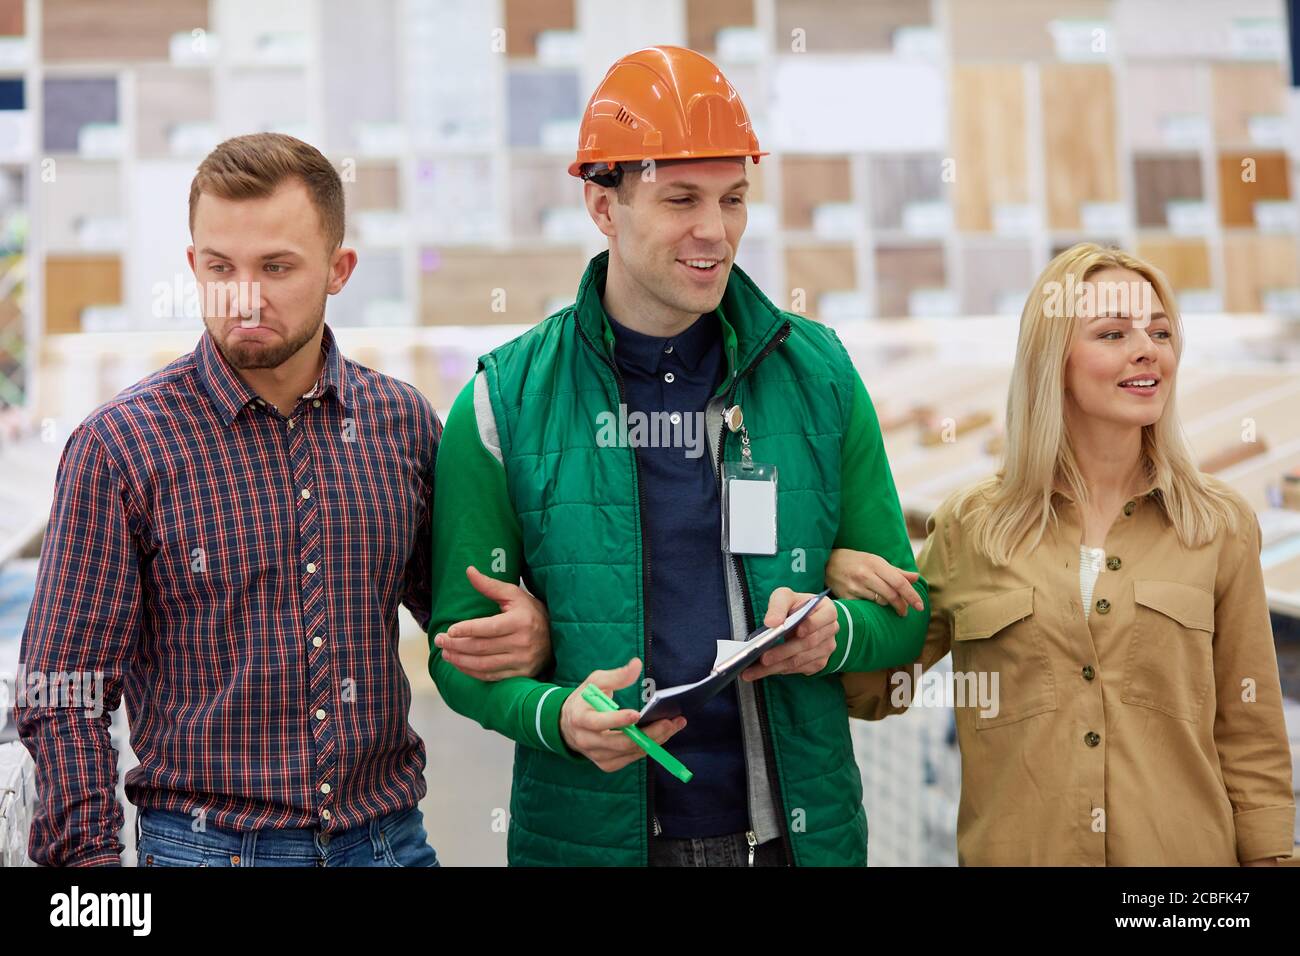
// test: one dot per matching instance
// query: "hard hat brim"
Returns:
(575, 168)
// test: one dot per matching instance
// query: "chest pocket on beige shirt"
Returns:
(1170, 665)
(999, 635)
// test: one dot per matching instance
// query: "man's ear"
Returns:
(342, 262)
(189, 257)
(599, 199)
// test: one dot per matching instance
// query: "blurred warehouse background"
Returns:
(929, 158)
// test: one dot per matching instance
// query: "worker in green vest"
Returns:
(666, 463)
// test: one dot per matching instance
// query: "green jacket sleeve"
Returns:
(474, 524)
(871, 635)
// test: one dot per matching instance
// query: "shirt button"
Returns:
(320, 714)
(291, 423)
(1128, 508)
(311, 568)
(324, 814)
(1113, 563)
(317, 641)
(316, 403)
(1088, 672)
(325, 788)
(675, 418)
(669, 377)
(1103, 606)
(668, 351)
(306, 493)
(1091, 738)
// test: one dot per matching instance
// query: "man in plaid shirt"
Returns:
(229, 543)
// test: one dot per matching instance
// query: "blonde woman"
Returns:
(1117, 595)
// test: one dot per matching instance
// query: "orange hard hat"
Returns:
(664, 103)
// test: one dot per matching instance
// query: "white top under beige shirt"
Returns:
(1090, 561)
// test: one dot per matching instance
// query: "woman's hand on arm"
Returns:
(866, 576)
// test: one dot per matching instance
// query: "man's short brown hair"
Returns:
(254, 166)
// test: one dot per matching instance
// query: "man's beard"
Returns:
(255, 355)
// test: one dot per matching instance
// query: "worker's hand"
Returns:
(514, 643)
(596, 735)
(861, 574)
(808, 648)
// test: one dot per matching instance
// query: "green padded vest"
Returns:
(579, 506)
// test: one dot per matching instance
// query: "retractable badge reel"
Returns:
(748, 497)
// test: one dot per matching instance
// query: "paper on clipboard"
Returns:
(732, 660)
(727, 649)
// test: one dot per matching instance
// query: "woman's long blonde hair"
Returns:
(1039, 457)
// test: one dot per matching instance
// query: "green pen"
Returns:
(601, 701)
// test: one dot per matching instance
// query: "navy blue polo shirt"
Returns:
(688, 597)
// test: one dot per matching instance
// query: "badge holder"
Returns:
(748, 497)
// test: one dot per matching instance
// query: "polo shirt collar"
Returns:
(645, 352)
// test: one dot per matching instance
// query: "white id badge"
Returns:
(748, 508)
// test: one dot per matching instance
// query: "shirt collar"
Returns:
(748, 319)
(645, 352)
(1150, 490)
(230, 393)
(335, 374)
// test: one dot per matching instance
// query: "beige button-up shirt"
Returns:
(1151, 733)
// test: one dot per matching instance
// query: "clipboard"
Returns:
(685, 698)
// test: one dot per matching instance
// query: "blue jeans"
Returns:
(164, 838)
